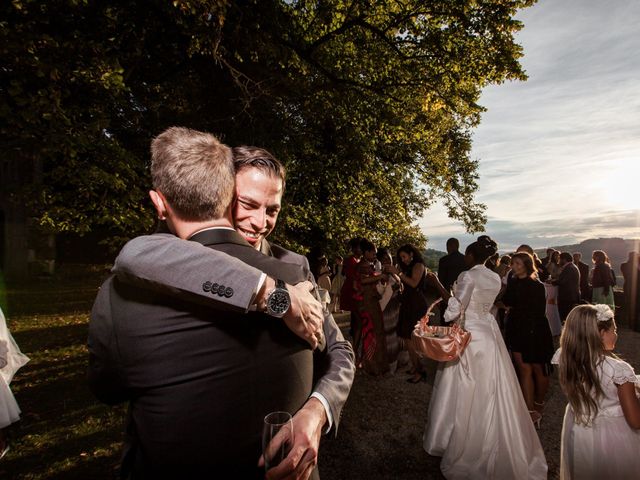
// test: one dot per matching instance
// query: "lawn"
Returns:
(64, 432)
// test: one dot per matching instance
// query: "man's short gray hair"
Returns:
(194, 171)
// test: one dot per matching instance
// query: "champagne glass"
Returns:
(277, 438)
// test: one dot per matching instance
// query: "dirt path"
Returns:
(380, 436)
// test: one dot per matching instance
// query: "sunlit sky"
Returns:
(560, 153)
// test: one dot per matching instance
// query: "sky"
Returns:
(560, 153)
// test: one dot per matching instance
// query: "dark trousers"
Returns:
(564, 308)
(356, 335)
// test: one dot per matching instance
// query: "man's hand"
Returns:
(391, 269)
(305, 318)
(308, 425)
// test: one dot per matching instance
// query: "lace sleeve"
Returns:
(623, 373)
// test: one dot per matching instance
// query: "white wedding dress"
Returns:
(478, 421)
(609, 447)
(11, 359)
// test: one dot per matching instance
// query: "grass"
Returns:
(64, 431)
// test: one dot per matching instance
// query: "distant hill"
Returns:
(432, 257)
(617, 248)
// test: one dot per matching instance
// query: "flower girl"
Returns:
(600, 434)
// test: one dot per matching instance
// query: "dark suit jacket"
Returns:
(569, 285)
(449, 269)
(171, 266)
(584, 276)
(334, 371)
(199, 382)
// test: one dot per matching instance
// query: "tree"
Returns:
(370, 105)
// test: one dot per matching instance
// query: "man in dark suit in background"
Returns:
(631, 272)
(260, 182)
(199, 381)
(451, 265)
(585, 289)
(568, 283)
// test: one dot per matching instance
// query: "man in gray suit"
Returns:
(260, 181)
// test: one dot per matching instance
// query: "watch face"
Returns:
(279, 302)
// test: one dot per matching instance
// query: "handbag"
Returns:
(442, 344)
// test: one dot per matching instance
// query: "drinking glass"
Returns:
(278, 426)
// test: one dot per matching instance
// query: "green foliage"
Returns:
(370, 104)
(432, 258)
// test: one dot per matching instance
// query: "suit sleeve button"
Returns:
(214, 288)
(206, 286)
(228, 292)
(221, 290)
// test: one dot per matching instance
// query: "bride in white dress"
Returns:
(478, 421)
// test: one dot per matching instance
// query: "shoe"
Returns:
(414, 380)
(4, 450)
(536, 418)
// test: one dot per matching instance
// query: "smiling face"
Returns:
(518, 267)
(257, 204)
(405, 258)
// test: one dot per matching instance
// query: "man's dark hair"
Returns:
(382, 252)
(255, 157)
(453, 244)
(566, 256)
(354, 242)
(366, 245)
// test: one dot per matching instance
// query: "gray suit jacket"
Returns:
(162, 262)
(165, 262)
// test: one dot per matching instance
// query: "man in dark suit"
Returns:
(585, 289)
(568, 283)
(198, 381)
(451, 265)
(260, 180)
(631, 272)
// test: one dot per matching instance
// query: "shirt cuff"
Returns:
(327, 409)
(252, 304)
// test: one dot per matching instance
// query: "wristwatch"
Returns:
(278, 300)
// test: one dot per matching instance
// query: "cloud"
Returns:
(539, 234)
(563, 148)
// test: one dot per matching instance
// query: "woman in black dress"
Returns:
(414, 302)
(528, 334)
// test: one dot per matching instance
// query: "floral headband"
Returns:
(603, 313)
